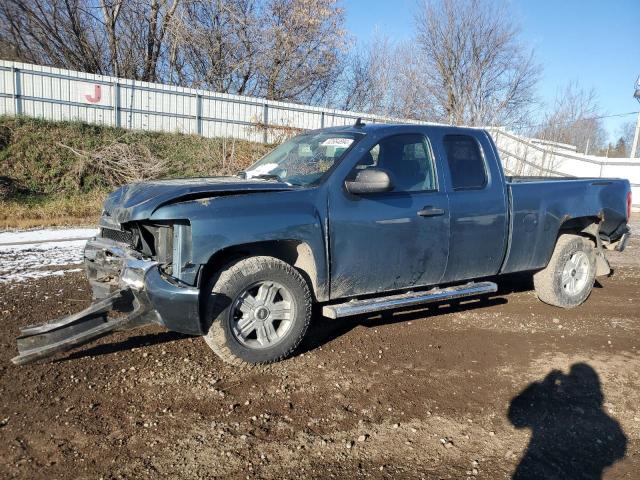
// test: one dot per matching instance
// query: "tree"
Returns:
(216, 46)
(301, 48)
(476, 70)
(627, 131)
(385, 78)
(109, 37)
(620, 150)
(278, 49)
(367, 81)
(62, 33)
(574, 119)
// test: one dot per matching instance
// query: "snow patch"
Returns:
(26, 255)
(46, 235)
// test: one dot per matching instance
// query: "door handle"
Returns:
(430, 211)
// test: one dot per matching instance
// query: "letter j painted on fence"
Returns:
(93, 94)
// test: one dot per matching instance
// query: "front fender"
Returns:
(223, 222)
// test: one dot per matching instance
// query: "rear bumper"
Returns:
(112, 266)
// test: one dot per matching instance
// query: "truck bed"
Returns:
(542, 205)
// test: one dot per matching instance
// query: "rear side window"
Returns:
(465, 162)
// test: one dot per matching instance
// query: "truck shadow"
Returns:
(323, 330)
(571, 435)
(136, 341)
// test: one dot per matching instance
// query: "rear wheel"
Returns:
(259, 309)
(568, 279)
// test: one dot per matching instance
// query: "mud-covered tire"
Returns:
(553, 285)
(221, 309)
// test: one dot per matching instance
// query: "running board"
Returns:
(371, 305)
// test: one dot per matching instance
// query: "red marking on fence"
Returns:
(97, 94)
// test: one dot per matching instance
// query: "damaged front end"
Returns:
(140, 274)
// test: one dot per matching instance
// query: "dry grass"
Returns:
(81, 209)
(58, 173)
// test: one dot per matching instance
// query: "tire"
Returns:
(568, 279)
(259, 309)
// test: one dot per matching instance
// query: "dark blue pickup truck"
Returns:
(355, 219)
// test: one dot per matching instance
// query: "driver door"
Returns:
(392, 240)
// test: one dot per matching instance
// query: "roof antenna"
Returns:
(359, 123)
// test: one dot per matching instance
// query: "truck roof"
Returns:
(381, 127)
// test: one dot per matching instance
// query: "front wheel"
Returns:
(259, 309)
(568, 279)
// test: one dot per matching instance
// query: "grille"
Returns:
(117, 235)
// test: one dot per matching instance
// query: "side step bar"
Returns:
(41, 341)
(371, 305)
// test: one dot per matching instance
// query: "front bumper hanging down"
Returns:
(41, 341)
(128, 292)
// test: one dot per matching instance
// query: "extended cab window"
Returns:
(465, 162)
(408, 160)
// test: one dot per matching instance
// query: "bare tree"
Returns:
(53, 32)
(217, 45)
(105, 37)
(385, 78)
(573, 119)
(476, 70)
(367, 83)
(279, 49)
(302, 42)
(110, 13)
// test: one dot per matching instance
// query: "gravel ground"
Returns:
(493, 388)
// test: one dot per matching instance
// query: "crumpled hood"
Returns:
(138, 201)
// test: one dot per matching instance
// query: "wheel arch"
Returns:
(588, 227)
(296, 253)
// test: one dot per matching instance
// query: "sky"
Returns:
(596, 43)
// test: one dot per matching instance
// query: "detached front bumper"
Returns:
(128, 291)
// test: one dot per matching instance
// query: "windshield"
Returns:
(304, 159)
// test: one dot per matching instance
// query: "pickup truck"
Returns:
(354, 219)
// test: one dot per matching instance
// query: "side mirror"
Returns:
(369, 180)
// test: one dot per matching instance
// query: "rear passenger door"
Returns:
(477, 202)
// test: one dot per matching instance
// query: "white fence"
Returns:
(57, 94)
(522, 156)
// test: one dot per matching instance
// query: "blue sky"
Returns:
(594, 42)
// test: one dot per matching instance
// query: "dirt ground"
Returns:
(492, 388)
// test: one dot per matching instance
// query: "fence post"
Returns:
(523, 164)
(116, 104)
(198, 114)
(17, 91)
(265, 122)
(321, 119)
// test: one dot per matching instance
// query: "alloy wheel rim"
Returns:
(262, 315)
(575, 273)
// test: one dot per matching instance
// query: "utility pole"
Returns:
(634, 148)
(636, 95)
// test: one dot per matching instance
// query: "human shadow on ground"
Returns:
(572, 436)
